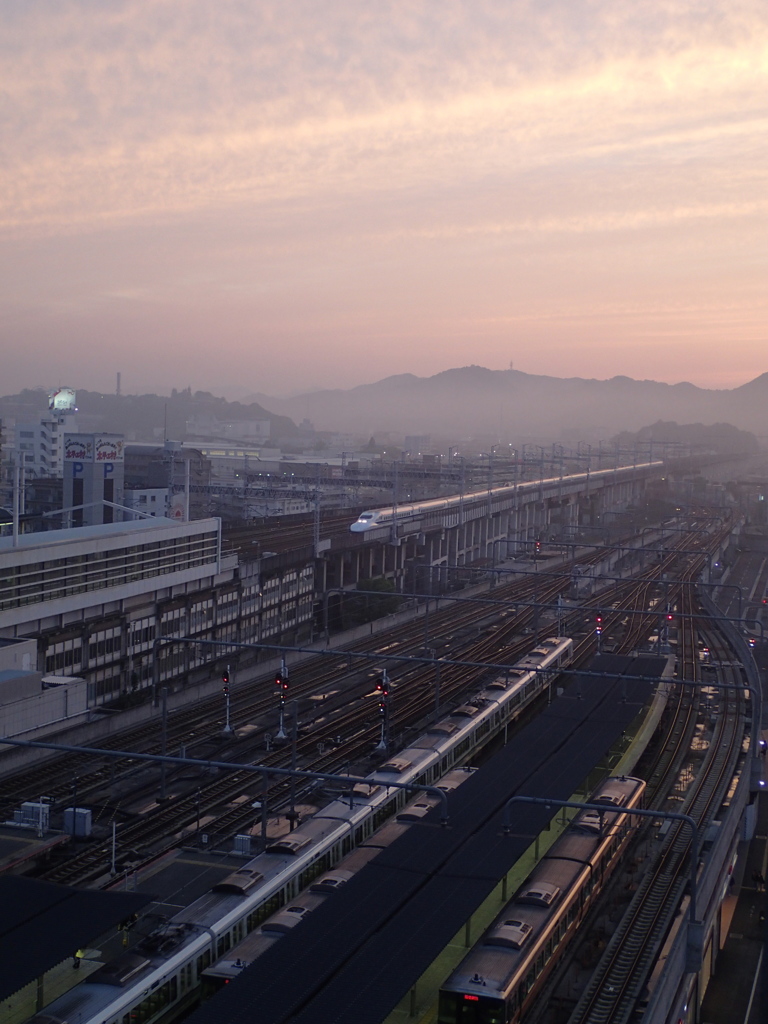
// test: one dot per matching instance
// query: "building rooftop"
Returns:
(96, 532)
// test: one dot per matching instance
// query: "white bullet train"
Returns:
(382, 517)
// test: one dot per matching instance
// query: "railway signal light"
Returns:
(537, 546)
(225, 677)
(382, 688)
(281, 682)
(599, 623)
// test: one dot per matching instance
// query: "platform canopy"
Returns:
(42, 924)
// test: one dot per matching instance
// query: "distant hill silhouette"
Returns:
(141, 416)
(716, 437)
(466, 402)
(472, 400)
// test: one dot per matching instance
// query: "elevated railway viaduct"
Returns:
(268, 586)
(422, 546)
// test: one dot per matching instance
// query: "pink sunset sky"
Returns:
(251, 195)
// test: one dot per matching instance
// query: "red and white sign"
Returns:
(78, 448)
(108, 449)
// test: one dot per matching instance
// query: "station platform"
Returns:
(738, 991)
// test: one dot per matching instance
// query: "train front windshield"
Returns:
(463, 1008)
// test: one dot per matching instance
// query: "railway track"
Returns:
(163, 827)
(616, 985)
(274, 535)
(186, 726)
(690, 781)
(314, 675)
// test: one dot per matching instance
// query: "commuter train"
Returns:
(383, 517)
(165, 970)
(285, 920)
(497, 982)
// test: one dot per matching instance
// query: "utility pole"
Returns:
(383, 691)
(316, 519)
(281, 683)
(227, 730)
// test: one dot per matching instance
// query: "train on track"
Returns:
(497, 982)
(384, 517)
(286, 919)
(164, 971)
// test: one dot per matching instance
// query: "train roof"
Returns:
(437, 877)
(219, 910)
(492, 959)
(450, 500)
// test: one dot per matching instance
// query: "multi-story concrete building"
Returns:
(39, 444)
(97, 598)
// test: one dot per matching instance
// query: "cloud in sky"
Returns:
(286, 195)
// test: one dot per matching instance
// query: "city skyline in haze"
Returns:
(276, 198)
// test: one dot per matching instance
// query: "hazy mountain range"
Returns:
(508, 403)
(469, 402)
